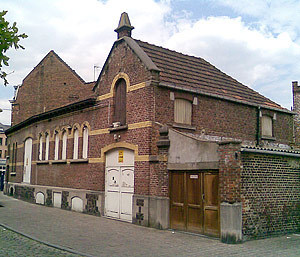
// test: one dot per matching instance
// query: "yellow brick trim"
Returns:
(19, 146)
(103, 97)
(163, 158)
(129, 89)
(141, 158)
(95, 160)
(136, 86)
(121, 75)
(137, 125)
(99, 132)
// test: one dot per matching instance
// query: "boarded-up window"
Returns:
(120, 102)
(267, 126)
(183, 111)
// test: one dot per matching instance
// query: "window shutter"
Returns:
(120, 102)
(183, 111)
(267, 126)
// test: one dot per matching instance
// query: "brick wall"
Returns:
(222, 119)
(49, 85)
(270, 187)
(229, 172)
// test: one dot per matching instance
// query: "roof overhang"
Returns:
(52, 113)
(197, 91)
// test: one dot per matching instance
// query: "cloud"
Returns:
(254, 56)
(278, 15)
(261, 52)
(5, 114)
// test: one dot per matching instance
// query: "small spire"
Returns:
(124, 28)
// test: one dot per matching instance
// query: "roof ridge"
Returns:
(61, 60)
(68, 66)
(175, 56)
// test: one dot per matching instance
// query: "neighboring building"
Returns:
(3, 153)
(162, 139)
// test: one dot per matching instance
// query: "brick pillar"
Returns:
(163, 145)
(159, 183)
(230, 191)
(296, 109)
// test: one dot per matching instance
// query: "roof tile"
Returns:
(195, 73)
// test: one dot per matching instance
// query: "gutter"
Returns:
(247, 150)
(163, 84)
(52, 113)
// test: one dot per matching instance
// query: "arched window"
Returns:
(183, 111)
(56, 148)
(85, 142)
(64, 145)
(47, 147)
(75, 149)
(41, 148)
(120, 102)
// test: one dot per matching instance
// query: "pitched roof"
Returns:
(62, 61)
(196, 74)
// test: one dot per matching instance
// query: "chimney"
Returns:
(296, 96)
(124, 28)
(296, 109)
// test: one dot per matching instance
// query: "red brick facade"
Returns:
(54, 99)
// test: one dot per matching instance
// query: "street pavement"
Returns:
(32, 230)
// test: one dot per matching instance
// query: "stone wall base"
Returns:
(151, 211)
(231, 222)
(80, 200)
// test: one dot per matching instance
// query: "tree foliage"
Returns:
(9, 37)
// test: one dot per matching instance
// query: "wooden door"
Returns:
(211, 204)
(194, 205)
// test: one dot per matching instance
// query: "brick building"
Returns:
(3, 153)
(161, 139)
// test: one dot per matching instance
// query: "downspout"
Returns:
(258, 127)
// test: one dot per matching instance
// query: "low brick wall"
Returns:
(270, 189)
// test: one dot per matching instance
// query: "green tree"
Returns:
(9, 37)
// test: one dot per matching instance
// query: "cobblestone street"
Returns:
(15, 245)
(98, 236)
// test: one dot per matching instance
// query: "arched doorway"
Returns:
(27, 160)
(119, 183)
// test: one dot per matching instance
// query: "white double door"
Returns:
(119, 191)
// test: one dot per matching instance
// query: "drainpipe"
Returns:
(258, 127)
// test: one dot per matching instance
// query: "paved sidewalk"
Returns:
(98, 236)
(15, 245)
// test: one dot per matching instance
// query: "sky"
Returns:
(256, 42)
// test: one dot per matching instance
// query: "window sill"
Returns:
(42, 162)
(13, 174)
(79, 160)
(123, 127)
(59, 161)
(183, 126)
(268, 138)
